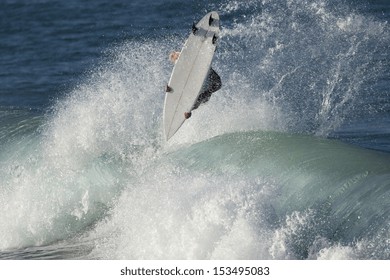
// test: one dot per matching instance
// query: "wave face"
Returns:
(264, 170)
(255, 195)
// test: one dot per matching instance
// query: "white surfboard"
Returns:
(190, 72)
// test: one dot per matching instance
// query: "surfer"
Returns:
(212, 84)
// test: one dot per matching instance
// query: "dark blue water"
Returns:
(289, 160)
(48, 45)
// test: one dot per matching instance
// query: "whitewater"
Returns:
(289, 160)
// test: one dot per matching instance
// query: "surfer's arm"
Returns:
(174, 56)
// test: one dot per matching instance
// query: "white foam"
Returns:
(72, 172)
(181, 215)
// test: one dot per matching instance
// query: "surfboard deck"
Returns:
(190, 72)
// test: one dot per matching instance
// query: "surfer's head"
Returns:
(173, 56)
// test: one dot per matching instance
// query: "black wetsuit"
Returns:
(212, 84)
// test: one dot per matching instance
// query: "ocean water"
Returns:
(289, 160)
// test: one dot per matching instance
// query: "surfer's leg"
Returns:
(202, 98)
(212, 85)
(187, 115)
(214, 81)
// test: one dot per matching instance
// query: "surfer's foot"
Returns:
(187, 115)
(168, 89)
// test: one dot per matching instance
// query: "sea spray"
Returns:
(313, 61)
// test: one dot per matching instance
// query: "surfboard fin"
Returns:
(211, 19)
(194, 28)
(214, 39)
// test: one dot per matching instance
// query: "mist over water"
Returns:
(250, 176)
(315, 61)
